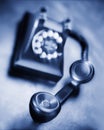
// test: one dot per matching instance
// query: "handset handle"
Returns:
(65, 92)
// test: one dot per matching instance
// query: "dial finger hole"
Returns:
(37, 50)
(43, 55)
(55, 55)
(37, 44)
(59, 39)
(50, 33)
(44, 34)
(40, 38)
(56, 35)
(49, 56)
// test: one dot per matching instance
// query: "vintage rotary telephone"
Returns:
(42, 55)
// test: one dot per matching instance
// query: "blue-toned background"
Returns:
(86, 112)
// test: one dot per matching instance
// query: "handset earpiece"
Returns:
(82, 71)
(44, 107)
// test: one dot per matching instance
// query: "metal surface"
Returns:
(86, 112)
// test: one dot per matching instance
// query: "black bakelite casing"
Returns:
(23, 62)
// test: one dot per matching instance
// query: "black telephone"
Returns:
(39, 50)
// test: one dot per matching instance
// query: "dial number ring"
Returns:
(46, 44)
